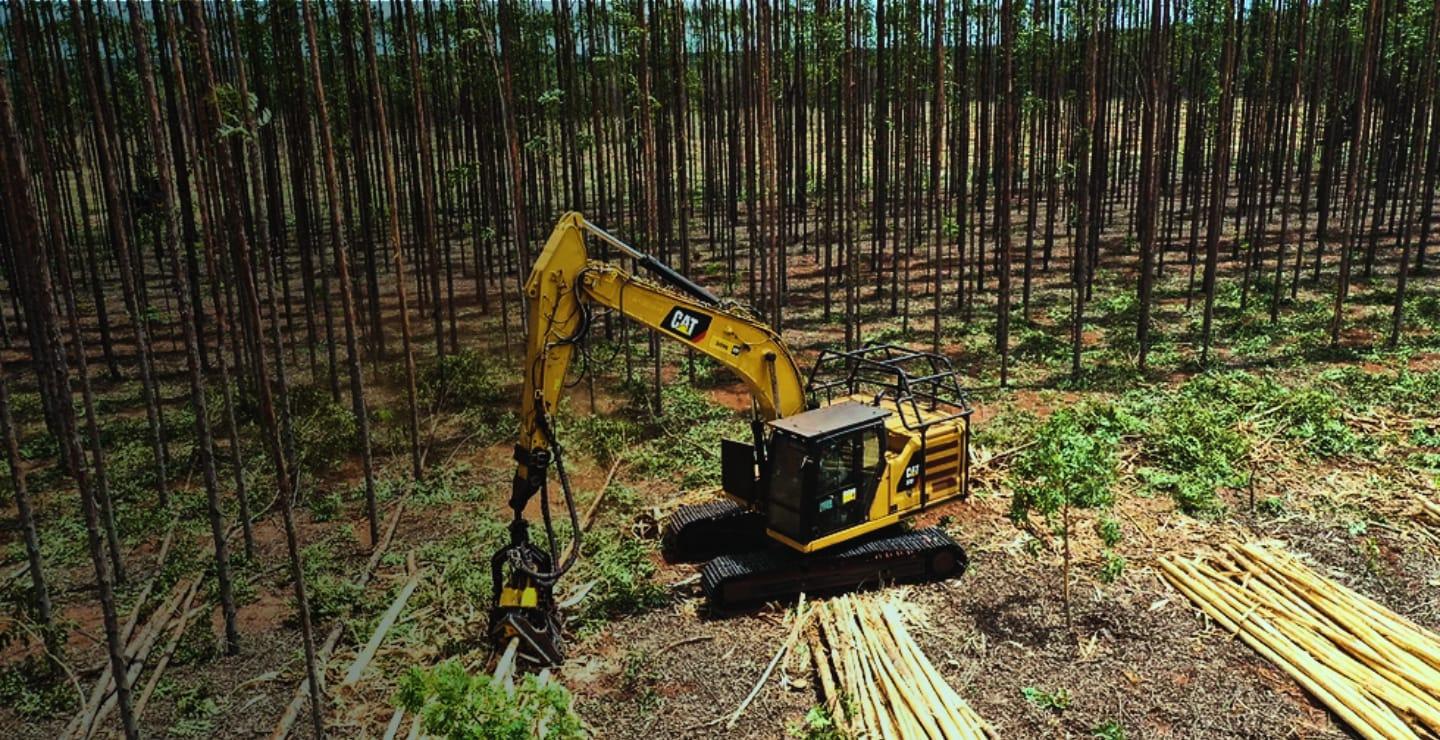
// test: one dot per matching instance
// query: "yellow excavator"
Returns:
(839, 456)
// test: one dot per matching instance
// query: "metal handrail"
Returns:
(886, 367)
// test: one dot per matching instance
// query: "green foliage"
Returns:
(325, 430)
(1405, 391)
(463, 578)
(638, 680)
(33, 690)
(445, 486)
(325, 507)
(1196, 447)
(1108, 730)
(1271, 505)
(131, 469)
(1424, 436)
(461, 381)
(197, 645)
(817, 725)
(683, 442)
(1070, 464)
(1057, 700)
(454, 704)
(472, 386)
(1112, 567)
(625, 577)
(42, 446)
(329, 587)
(1108, 530)
(195, 710)
(26, 407)
(604, 438)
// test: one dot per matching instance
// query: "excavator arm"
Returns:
(563, 288)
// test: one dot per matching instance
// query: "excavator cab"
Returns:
(823, 466)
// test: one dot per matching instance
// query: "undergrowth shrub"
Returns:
(461, 381)
(454, 704)
(1406, 391)
(474, 387)
(462, 577)
(330, 588)
(604, 438)
(625, 577)
(684, 441)
(33, 690)
(325, 429)
(1193, 448)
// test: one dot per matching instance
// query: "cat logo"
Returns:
(687, 324)
(911, 475)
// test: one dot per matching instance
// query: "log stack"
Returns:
(1375, 669)
(877, 682)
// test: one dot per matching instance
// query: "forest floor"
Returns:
(1326, 449)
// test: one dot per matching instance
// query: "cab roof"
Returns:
(832, 419)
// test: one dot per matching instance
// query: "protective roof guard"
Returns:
(913, 381)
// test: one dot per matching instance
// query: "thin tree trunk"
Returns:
(250, 304)
(392, 206)
(342, 264)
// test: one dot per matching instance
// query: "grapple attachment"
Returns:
(524, 607)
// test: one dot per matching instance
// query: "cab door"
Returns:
(847, 470)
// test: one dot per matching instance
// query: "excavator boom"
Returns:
(564, 286)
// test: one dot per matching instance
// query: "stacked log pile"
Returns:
(876, 680)
(1375, 669)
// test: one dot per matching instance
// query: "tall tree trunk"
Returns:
(1356, 204)
(1219, 165)
(392, 207)
(171, 231)
(16, 174)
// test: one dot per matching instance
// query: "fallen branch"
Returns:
(166, 655)
(368, 654)
(322, 657)
(800, 620)
(89, 721)
(686, 641)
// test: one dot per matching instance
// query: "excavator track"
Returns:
(906, 557)
(697, 532)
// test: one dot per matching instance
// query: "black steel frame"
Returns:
(912, 379)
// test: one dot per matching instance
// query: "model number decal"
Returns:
(687, 324)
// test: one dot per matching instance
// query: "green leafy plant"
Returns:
(1111, 567)
(638, 680)
(1196, 449)
(32, 689)
(460, 381)
(1071, 465)
(1057, 700)
(1108, 530)
(325, 430)
(454, 704)
(195, 709)
(1108, 730)
(817, 725)
(625, 577)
